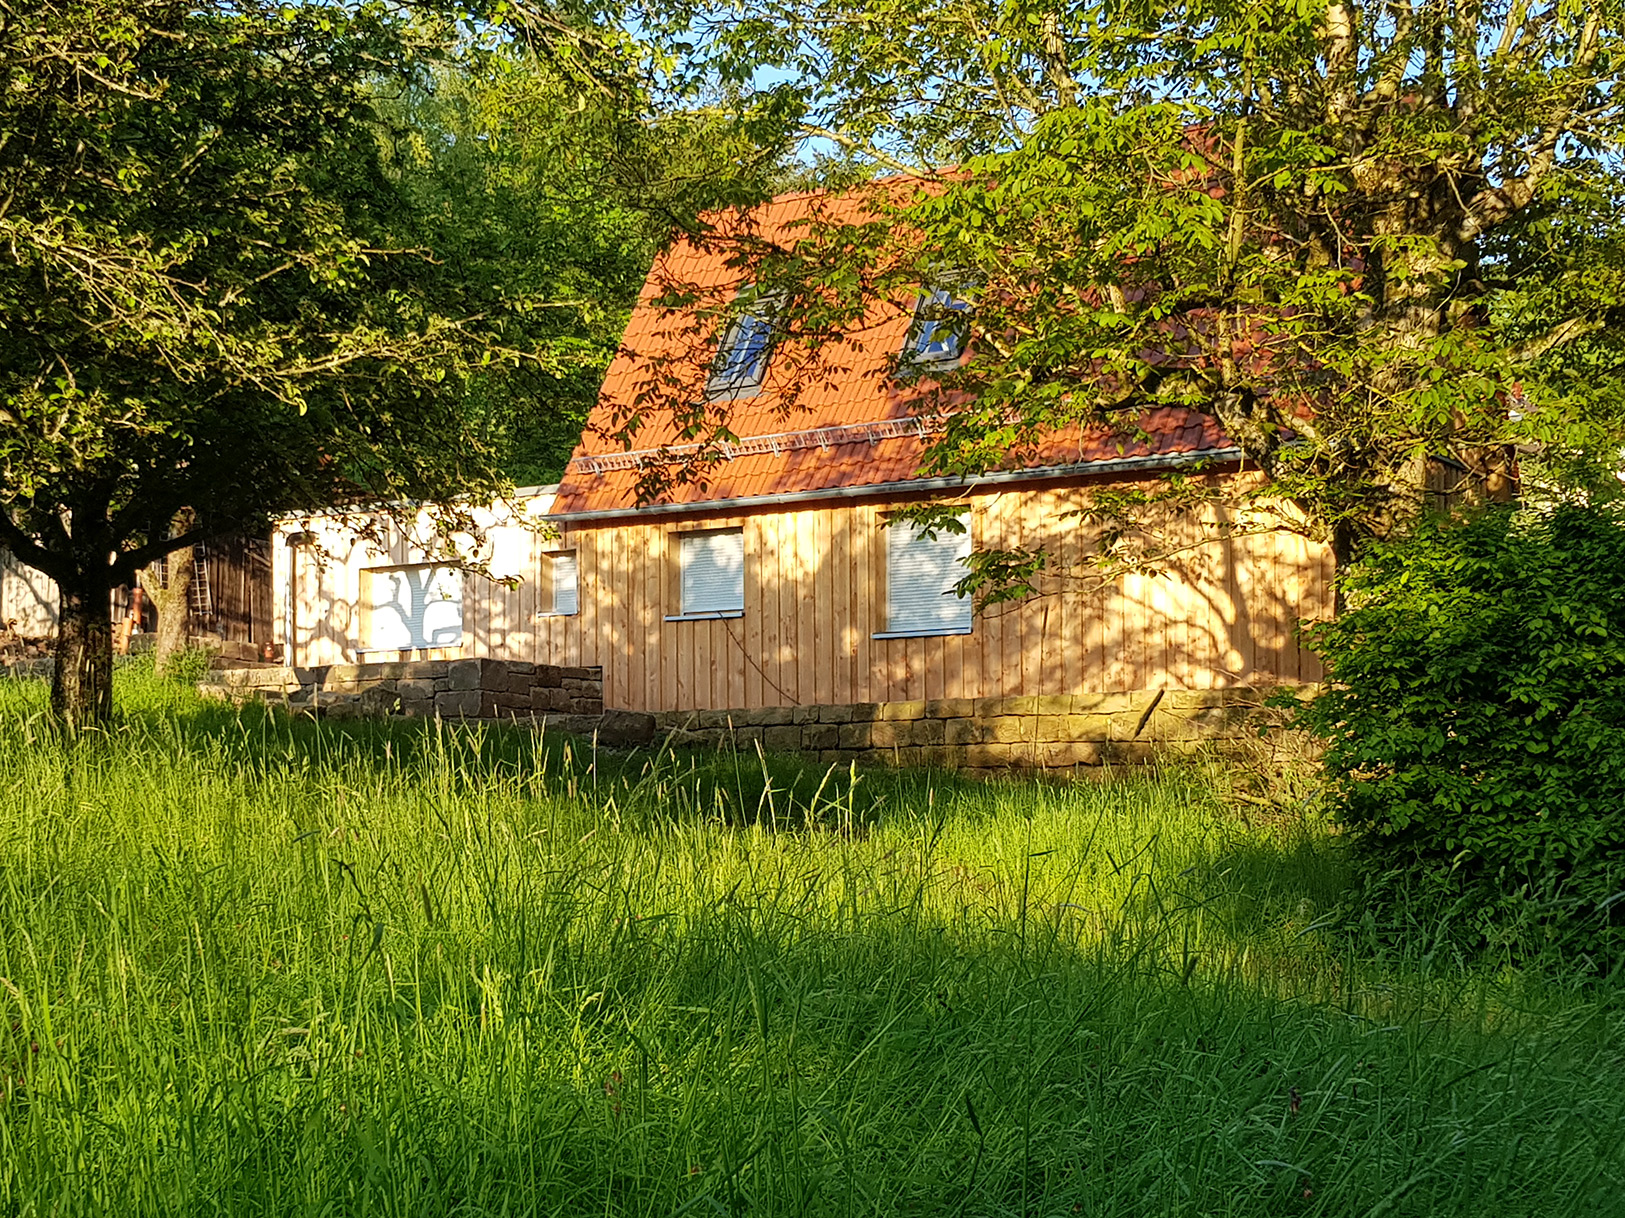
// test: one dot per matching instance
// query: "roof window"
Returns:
(937, 337)
(747, 344)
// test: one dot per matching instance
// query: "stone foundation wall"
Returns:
(452, 689)
(1059, 732)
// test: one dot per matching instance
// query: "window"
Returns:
(742, 356)
(921, 571)
(711, 568)
(410, 608)
(938, 333)
(559, 586)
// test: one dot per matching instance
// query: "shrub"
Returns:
(1475, 723)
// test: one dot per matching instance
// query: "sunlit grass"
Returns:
(257, 966)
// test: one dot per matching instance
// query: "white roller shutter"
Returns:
(415, 607)
(713, 572)
(566, 598)
(921, 572)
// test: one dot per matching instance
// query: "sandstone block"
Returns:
(388, 670)
(582, 674)
(950, 708)
(987, 755)
(804, 714)
(522, 668)
(865, 712)
(1103, 703)
(1124, 726)
(888, 734)
(835, 714)
(379, 700)
(1193, 699)
(924, 732)
(856, 735)
(772, 716)
(464, 675)
(1052, 727)
(900, 711)
(962, 731)
(458, 704)
(815, 737)
(1008, 729)
(621, 728)
(1144, 699)
(549, 675)
(1052, 704)
(589, 706)
(781, 738)
(424, 670)
(1089, 727)
(1075, 753)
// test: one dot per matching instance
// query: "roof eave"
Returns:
(905, 486)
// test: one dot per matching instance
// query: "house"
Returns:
(771, 593)
(230, 596)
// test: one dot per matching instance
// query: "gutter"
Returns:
(957, 482)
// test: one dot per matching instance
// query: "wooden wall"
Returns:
(1222, 614)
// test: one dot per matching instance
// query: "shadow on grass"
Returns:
(279, 966)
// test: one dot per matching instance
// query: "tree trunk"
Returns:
(172, 598)
(82, 686)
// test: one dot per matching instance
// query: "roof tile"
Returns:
(666, 355)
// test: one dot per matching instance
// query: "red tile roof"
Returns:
(666, 355)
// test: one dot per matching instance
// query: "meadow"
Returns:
(258, 966)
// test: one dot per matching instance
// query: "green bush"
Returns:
(1475, 721)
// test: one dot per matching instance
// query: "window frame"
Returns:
(547, 581)
(675, 541)
(914, 361)
(750, 309)
(368, 605)
(883, 567)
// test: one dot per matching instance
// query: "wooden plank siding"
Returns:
(1222, 613)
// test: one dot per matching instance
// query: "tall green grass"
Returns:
(254, 966)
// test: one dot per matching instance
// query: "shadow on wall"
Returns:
(27, 597)
(1222, 613)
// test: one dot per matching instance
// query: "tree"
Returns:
(518, 179)
(168, 586)
(214, 296)
(1382, 245)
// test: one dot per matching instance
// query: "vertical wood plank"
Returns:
(866, 592)
(842, 642)
(806, 566)
(756, 582)
(824, 650)
(669, 643)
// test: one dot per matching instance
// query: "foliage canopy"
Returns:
(1374, 242)
(1475, 719)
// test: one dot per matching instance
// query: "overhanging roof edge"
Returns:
(905, 486)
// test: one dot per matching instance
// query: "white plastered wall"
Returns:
(318, 584)
(27, 597)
